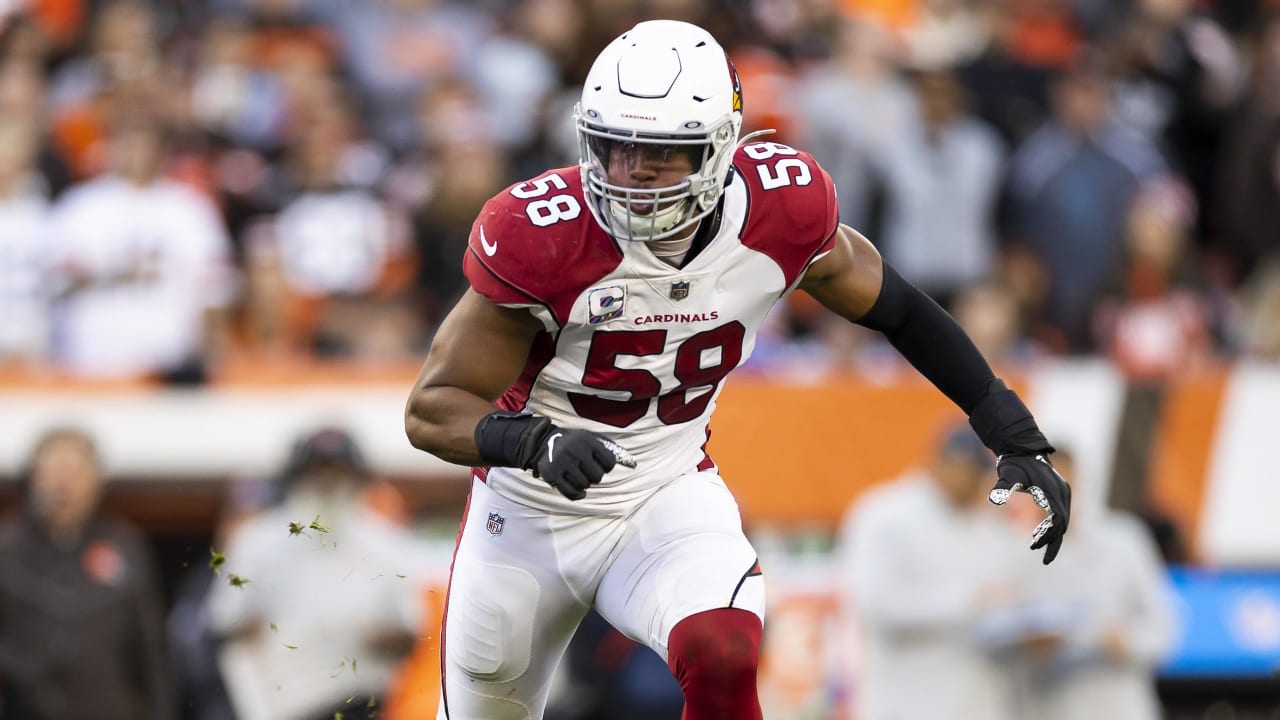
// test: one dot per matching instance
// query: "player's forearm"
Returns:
(935, 344)
(442, 420)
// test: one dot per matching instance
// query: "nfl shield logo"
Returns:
(496, 521)
(680, 290)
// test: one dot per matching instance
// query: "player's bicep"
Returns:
(480, 348)
(847, 279)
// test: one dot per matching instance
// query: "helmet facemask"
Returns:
(653, 213)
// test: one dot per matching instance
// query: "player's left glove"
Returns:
(1006, 426)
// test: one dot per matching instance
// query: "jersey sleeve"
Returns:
(793, 213)
(499, 278)
(535, 245)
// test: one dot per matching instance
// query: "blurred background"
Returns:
(228, 229)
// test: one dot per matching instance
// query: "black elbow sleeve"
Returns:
(930, 340)
(935, 344)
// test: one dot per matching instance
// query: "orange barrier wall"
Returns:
(794, 454)
(799, 454)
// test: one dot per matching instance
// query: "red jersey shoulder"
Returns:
(536, 243)
(792, 213)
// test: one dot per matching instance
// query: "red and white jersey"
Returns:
(633, 348)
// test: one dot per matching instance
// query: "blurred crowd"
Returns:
(191, 183)
(313, 602)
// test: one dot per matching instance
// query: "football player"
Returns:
(607, 304)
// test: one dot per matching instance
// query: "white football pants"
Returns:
(523, 579)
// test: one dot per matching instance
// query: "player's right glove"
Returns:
(566, 459)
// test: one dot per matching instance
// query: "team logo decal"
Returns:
(495, 523)
(737, 86)
(605, 304)
(680, 290)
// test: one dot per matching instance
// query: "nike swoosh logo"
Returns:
(551, 447)
(489, 250)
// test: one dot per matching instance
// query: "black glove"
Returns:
(1034, 474)
(1022, 463)
(566, 459)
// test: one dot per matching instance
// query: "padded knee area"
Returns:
(714, 655)
(465, 704)
(490, 624)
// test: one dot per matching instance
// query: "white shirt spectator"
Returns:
(310, 624)
(24, 290)
(141, 265)
(1108, 589)
(921, 575)
(939, 229)
(334, 242)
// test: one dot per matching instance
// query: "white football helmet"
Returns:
(662, 88)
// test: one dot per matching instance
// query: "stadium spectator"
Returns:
(515, 72)
(81, 632)
(1070, 187)
(942, 178)
(922, 562)
(1099, 623)
(467, 167)
(1246, 217)
(1177, 78)
(861, 74)
(124, 58)
(343, 255)
(1157, 322)
(143, 267)
(320, 610)
(22, 100)
(232, 97)
(1008, 92)
(24, 297)
(397, 48)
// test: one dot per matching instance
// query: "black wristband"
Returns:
(1005, 424)
(508, 439)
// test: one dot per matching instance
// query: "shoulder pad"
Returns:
(536, 244)
(792, 214)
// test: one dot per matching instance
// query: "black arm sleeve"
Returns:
(935, 345)
(930, 340)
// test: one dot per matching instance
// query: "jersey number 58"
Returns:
(701, 362)
(557, 208)
(781, 174)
